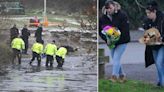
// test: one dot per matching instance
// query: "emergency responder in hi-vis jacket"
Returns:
(60, 56)
(17, 46)
(50, 51)
(37, 50)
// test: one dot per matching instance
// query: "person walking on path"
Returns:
(60, 56)
(50, 51)
(14, 32)
(115, 17)
(37, 50)
(25, 36)
(17, 46)
(155, 53)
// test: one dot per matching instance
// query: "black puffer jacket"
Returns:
(38, 33)
(14, 32)
(159, 24)
(119, 20)
(25, 33)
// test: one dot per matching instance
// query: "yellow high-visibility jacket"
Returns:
(61, 52)
(50, 49)
(37, 47)
(18, 43)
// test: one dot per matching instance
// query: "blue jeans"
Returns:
(116, 54)
(159, 62)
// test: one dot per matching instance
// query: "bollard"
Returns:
(101, 68)
(102, 60)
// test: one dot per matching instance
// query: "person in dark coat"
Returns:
(155, 53)
(114, 16)
(25, 36)
(14, 32)
(38, 33)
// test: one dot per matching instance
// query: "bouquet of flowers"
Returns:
(112, 34)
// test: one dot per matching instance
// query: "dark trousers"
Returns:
(60, 61)
(36, 55)
(26, 44)
(16, 53)
(39, 38)
(49, 59)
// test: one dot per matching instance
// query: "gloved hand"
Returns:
(43, 55)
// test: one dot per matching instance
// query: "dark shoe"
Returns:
(30, 63)
(113, 78)
(39, 63)
(159, 84)
(122, 78)
(51, 64)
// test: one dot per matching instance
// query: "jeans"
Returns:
(116, 54)
(159, 62)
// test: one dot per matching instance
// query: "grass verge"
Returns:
(129, 86)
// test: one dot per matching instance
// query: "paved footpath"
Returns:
(136, 72)
(133, 64)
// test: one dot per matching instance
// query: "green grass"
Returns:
(129, 86)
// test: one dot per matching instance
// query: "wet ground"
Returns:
(77, 75)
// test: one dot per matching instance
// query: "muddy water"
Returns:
(79, 72)
(76, 76)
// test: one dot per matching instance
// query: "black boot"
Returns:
(46, 63)
(30, 63)
(39, 63)
(159, 84)
(51, 64)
